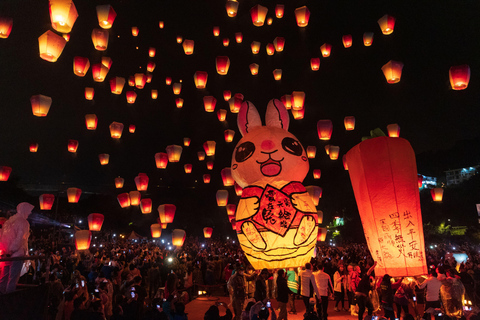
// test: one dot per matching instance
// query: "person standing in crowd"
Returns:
(352, 282)
(324, 283)
(282, 294)
(361, 294)
(153, 280)
(432, 295)
(387, 290)
(237, 283)
(340, 284)
(292, 281)
(452, 292)
(250, 277)
(260, 286)
(308, 286)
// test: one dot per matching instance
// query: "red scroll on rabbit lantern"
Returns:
(276, 220)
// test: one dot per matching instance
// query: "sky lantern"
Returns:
(207, 232)
(344, 160)
(315, 64)
(206, 178)
(161, 160)
(141, 182)
(231, 7)
(324, 129)
(156, 230)
(124, 200)
(326, 49)
(227, 95)
(116, 130)
(279, 11)
(226, 42)
(135, 198)
(311, 152)
(178, 237)
(322, 234)
(50, 46)
(166, 212)
(258, 14)
(89, 93)
(287, 101)
(151, 52)
(186, 142)
(238, 37)
(131, 96)
(151, 66)
(347, 40)
(179, 39)
(116, 85)
(437, 194)
(317, 173)
(161, 24)
(66, 36)
(269, 21)
(63, 15)
(383, 173)
(154, 94)
(222, 63)
(179, 103)
(201, 155)
(100, 39)
(298, 114)
(5, 27)
(135, 31)
(302, 15)
(209, 147)
(393, 130)
(320, 216)
(103, 158)
(349, 123)
(174, 153)
(277, 74)
(227, 178)
(188, 46)
(231, 208)
(392, 71)
(149, 77)
(210, 165)
(46, 201)
(99, 72)
(255, 47)
(95, 221)
(91, 121)
(221, 114)
(367, 39)
(270, 49)
(33, 147)
(200, 79)
(73, 194)
(315, 193)
(177, 88)
(164, 225)
(254, 69)
(40, 105)
(387, 24)
(235, 104)
(459, 77)
(209, 103)
(140, 80)
(298, 100)
(131, 128)
(80, 66)
(229, 134)
(222, 198)
(187, 167)
(107, 62)
(327, 149)
(83, 239)
(216, 31)
(119, 182)
(72, 146)
(420, 180)
(5, 173)
(131, 81)
(146, 206)
(333, 154)
(106, 16)
(238, 189)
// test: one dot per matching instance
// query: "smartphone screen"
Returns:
(132, 294)
(269, 304)
(83, 283)
(414, 298)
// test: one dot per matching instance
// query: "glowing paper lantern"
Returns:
(222, 198)
(201, 155)
(209, 102)
(179, 103)
(146, 206)
(221, 114)
(46, 201)
(302, 15)
(124, 200)
(231, 7)
(287, 101)
(327, 149)
(222, 64)
(5, 27)
(100, 39)
(50, 46)
(226, 42)
(269, 21)
(33, 147)
(72, 146)
(178, 237)
(89, 93)
(320, 216)
(66, 36)
(231, 208)
(326, 49)
(207, 232)
(149, 77)
(238, 189)
(270, 49)
(258, 14)
(116, 130)
(141, 182)
(254, 69)
(387, 24)
(119, 182)
(277, 74)
(80, 66)
(279, 10)
(227, 178)
(255, 47)
(40, 105)
(73, 194)
(5, 173)
(106, 16)
(156, 230)
(279, 44)
(392, 71)
(174, 153)
(315, 64)
(420, 180)
(235, 104)
(344, 160)
(459, 77)
(322, 234)
(131, 96)
(206, 178)
(135, 198)
(154, 94)
(227, 95)
(164, 225)
(209, 147)
(95, 221)
(188, 46)
(107, 62)
(186, 142)
(63, 15)
(200, 79)
(216, 31)
(99, 72)
(367, 39)
(315, 193)
(140, 80)
(298, 100)
(188, 168)
(229, 134)
(298, 114)
(349, 123)
(166, 212)
(177, 88)
(238, 37)
(104, 158)
(324, 129)
(161, 160)
(311, 152)
(347, 40)
(179, 39)
(437, 194)
(135, 31)
(161, 24)
(131, 128)
(393, 130)
(150, 67)
(210, 165)
(317, 173)
(333, 152)
(151, 52)
(116, 85)
(383, 173)
(83, 239)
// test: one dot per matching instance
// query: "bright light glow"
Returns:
(114, 235)
(80, 221)
(170, 248)
(170, 259)
(228, 238)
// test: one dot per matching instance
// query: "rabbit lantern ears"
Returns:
(249, 119)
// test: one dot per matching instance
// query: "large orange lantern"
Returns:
(326, 49)
(222, 198)
(188, 46)
(200, 79)
(63, 15)
(333, 152)
(106, 16)
(178, 237)
(347, 40)
(119, 182)
(222, 63)
(177, 88)
(324, 129)
(33, 147)
(116, 130)
(255, 46)
(302, 15)
(46, 201)
(210, 165)
(298, 100)
(279, 10)
(216, 31)
(83, 239)
(116, 85)
(437, 194)
(146, 206)
(206, 178)
(73, 194)
(317, 173)
(89, 93)
(166, 212)
(100, 39)
(131, 96)
(277, 74)
(209, 103)
(315, 193)
(140, 80)
(349, 123)
(201, 155)
(174, 153)
(207, 232)
(135, 198)
(383, 173)
(104, 158)
(188, 168)
(5, 27)
(5, 173)
(227, 178)
(95, 221)
(311, 152)
(367, 39)
(387, 24)
(161, 160)
(254, 69)
(50, 46)
(99, 72)
(229, 134)
(459, 77)
(393, 130)
(80, 66)
(221, 114)
(231, 7)
(72, 146)
(156, 230)
(141, 182)
(315, 64)
(124, 200)
(40, 105)
(258, 14)
(392, 71)
(209, 147)
(238, 37)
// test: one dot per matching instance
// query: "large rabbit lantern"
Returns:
(276, 218)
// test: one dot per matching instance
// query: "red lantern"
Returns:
(210, 165)
(178, 237)
(116, 130)
(238, 190)
(347, 40)
(140, 80)
(231, 208)
(131, 81)
(229, 134)
(146, 206)
(437, 194)
(201, 155)
(91, 121)
(83, 239)
(150, 67)
(270, 49)
(349, 123)
(179, 103)
(277, 74)
(188, 46)
(89, 93)
(227, 178)
(238, 37)
(207, 232)
(154, 94)
(33, 147)
(166, 212)
(254, 69)
(131, 128)
(387, 24)
(392, 71)
(322, 234)
(287, 101)
(258, 14)
(174, 153)
(227, 95)
(116, 85)
(315, 64)
(5, 27)
(135, 198)
(46, 201)
(40, 105)
(72, 146)
(168, 81)
(151, 52)
(226, 42)
(164, 225)
(222, 64)
(95, 221)
(393, 130)
(209, 103)
(367, 39)
(279, 44)
(80, 66)
(235, 104)
(222, 198)
(302, 15)
(200, 78)
(161, 160)
(324, 129)
(99, 72)
(216, 31)
(188, 168)
(124, 200)
(298, 100)
(326, 49)
(255, 47)
(333, 152)
(131, 96)
(177, 88)
(209, 147)
(317, 173)
(106, 16)
(135, 31)
(315, 193)
(420, 181)
(5, 173)
(119, 182)
(221, 114)
(459, 77)
(74, 194)
(344, 160)
(104, 158)
(231, 7)
(141, 182)
(279, 10)
(100, 39)
(311, 152)
(156, 230)
(206, 178)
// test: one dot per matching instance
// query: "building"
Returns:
(428, 182)
(457, 176)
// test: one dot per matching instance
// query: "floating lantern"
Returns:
(124, 200)
(238, 190)
(393, 130)
(459, 77)
(320, 216)
(73, 194)
(146, 206)
(326, 49)
(174, 153)
(317, 173)
(258, 14)
(324, 129)
(420, 180)
(322, 234)
(5, 173)
(270, 49)
(269, 21)
(33, 147)
(210, 165)
(279, 44)
(116, 130)
(287, 101)
(229, 134)
(186, 142)
(50, 46)
(311, 152)
(72, 146)
(161, 160)
(387, 24)
(119, 182)
(235, 104)
(393, 71)
(140, 80)
(349, 123)
(188, 168)
(66, 36)
(231, 208)
(238, 37)
(201, 155)
(95, 221)
(315, 64)
(209, 103)
(164, 225)
(149, 77)
(166, 212)
(178, 237)
(99, 72)
(200, 79)
(179, 103)
(80, 66)
(333, 152)
(177, 88)
(367, 39)
(231, 7)
(131, 128)
(207, 232)
(298, 114)
(107, 62)
(63, 15)
(179, 39)
(254, 69)
(255, 47)
(156, 230)
(347, 40)
(222, 63)
(141, 182)
(298, 100)
(104, 158)
(209, 147)
(206, 178)
(131, 81)
(168, 81)
(40, 105)
(100, 39)
(151, 66)
(222, 198)
(383, 173)
(277, 74)
(131, 96)
(437, 194)
(161, 24)
(188, 46)
(227, 95)
(135, 198)
(216, 31)
(154, 94)
(91, 121)
(5, 27)
(151, 52)
(116, 85)
(327, 149)
(344, 160)
(279, 10)
(106, 16)
(89, 93)
(226, 42)
(221, 114)
(46, 201)
(302, 15)
(227, 178)
(83, 239)
(135, 31)
(315, 193)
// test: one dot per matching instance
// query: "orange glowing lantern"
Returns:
(107, 62)
(179, 39)
(119, 182)
(154, 94)
(161, 160)
(324, 129)
(270, 49)
(279, 10)
(327, 149)
(238, 37)
(46, 201)
(178, 237)
(258, 14)
(188, 46)
(206, 178)
(209, 147)
(186, 142)
(200, 79)
(149, 77)
(326, 49)
(156, 230)
(287, 101)
(216, 31)
(201, 155)
(254, 69)
(135, 31)
(89, 93)
(135, 198)
(320, 216)
(298, 100)
(311, 152)
(222, 63)
(227, 178)
(367, 39)
(209, 103)
(80, 66)
(166, 212)
(161, 24)
(226, 42)
(231, 7)
(322, 234)
(420, 180)
(95, 221)
(66, 36)
(140, 80)
(5, 27)
(277, 74)
(222, 198)
(221, 114)
(131, 81)
(131, 96)
(255, 47)
(229, 134)
(227, 95)
(344, 160)
(106, 16)
(99, 72)
(333, 152)
(151, 52)
(298, 114)
(83, 239)
(63, 15)
(116, 85)
(5, 173)
(235, 104)
(151, 66)
(349, 123)
(207, 232)
(33, 147)
(459, 77)
(164, 225)
(393, 71)
(50, 46)
(73, 194)
(146, 206)
(174, 153)
(347, 40)
(387, 24)
(393, 130)
(315, 64)
(231, 208)
(116, 130)
(179, 103)
(210, 165)
(100, 39)
(91, 121)
(177, 88)
(315, 193)
(269, 21)
(238, 190)
(437, 194)
(72, 146)
(302, 15)
(141, 182)
(131, 128)
(40, 105)
(317, 173)
(104, 158)
(124, 200)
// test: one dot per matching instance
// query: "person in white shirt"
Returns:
(307, 280)
(433, 292)
(324, 283)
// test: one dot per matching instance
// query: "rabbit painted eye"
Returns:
(244, 151)
(292, 146)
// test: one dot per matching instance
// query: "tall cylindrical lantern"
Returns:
(279, 10)
(392, 71)
(106, 16)
(324, 129)
(156, 230)
(238, 37)
(50, 46)
(63, 15)
(174, 153)
(46, 201)
(459, 77)
(83, 239)
(287, 101)
(178, 237)
(322, 234)
(95, 221)
(222, 198)
(216, 31)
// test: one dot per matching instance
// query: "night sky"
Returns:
(428, 39)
